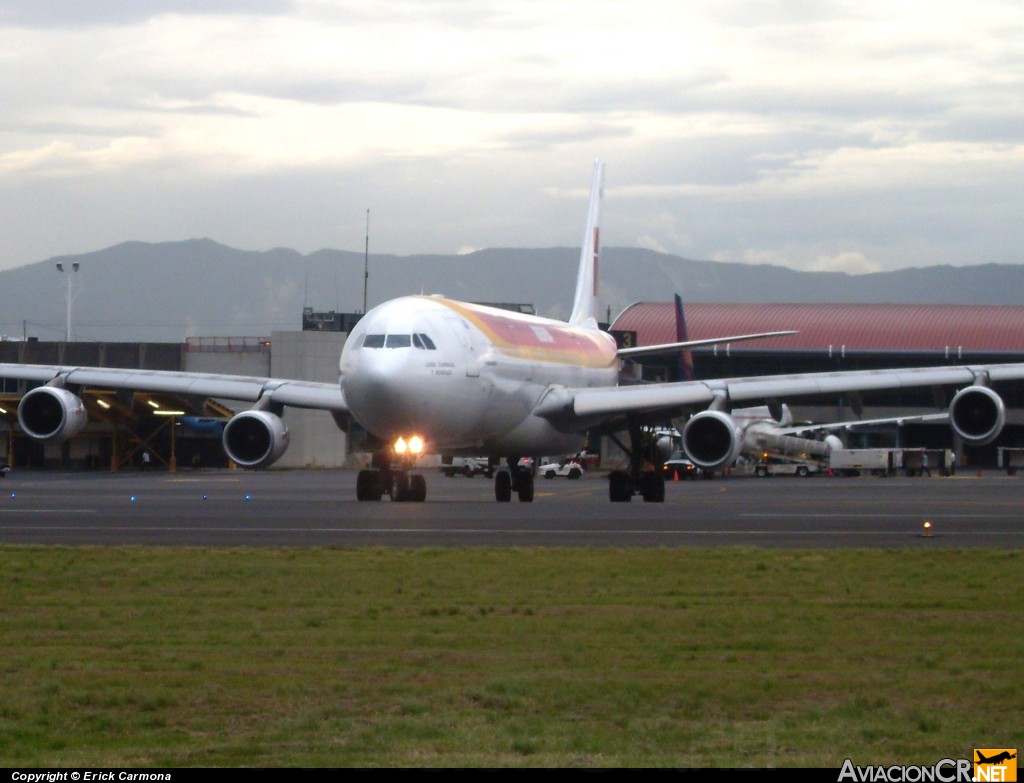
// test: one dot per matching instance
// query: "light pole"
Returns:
(74, 268)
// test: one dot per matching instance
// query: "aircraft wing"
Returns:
(854, 423)
(646, 350)
(591, 407)
(297, 394)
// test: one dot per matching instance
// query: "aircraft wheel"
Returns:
(653, 485)
(620, 489)
(368, 485)
(502, 486)
(525, 488)
(399, 487)
(417, 489)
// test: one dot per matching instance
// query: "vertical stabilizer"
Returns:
(584, 306)
(682, 335)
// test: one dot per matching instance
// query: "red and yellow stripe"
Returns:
(534, 340)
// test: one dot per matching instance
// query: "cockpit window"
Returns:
(422, 341)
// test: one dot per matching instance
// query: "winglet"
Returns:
(584, 306)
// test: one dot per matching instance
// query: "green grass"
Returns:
(531, 657)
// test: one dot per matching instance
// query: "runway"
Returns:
(318, 508)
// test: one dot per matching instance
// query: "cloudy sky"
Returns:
(818, 134)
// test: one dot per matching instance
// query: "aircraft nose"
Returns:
(380, 393)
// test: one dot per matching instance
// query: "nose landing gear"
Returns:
(391, 473)
(400, 485)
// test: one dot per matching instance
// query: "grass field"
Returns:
(495, 657)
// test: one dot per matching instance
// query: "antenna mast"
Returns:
(366, 260)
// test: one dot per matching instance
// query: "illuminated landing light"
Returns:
(248, 496)
(13, 496)
(131, 499)
(413, 446)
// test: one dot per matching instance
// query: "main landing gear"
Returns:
(517, 478)
(394, 478)
(623, 484)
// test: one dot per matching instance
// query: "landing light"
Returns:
(413, 446)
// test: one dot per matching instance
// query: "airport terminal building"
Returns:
(183, 432)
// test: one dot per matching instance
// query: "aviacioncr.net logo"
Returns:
(944, 771)
(995, 765)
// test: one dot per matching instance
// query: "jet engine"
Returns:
(51, 413)
(663, 446)
(255, 439)
(977, 415)
(712, 439)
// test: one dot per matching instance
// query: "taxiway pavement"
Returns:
(318, 508)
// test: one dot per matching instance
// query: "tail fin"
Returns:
(682, 336)
(584, 306)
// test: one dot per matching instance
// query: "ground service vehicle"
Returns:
(466, 466)
(779, 467)
(678, 467)
(570, 469)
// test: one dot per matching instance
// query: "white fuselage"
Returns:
(467, 378)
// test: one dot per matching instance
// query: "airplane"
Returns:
(770, 430)
(429, 374)
(997, 759)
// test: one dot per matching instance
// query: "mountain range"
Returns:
(157, 292)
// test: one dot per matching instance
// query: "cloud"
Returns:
(808, 128)
(851, 262)
(62, 14)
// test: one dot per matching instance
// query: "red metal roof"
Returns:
(866, 327)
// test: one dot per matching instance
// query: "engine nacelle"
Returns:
(255, 439)
(977, 415)
(663, 447)
(51, 413)
(833, 442)
(712, 440)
